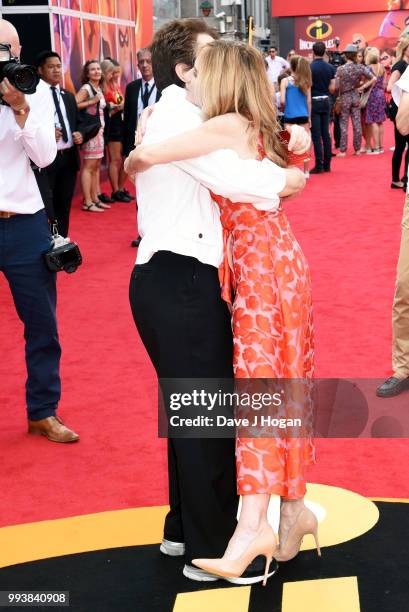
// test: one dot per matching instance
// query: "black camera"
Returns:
(64, 255)
(22, 77)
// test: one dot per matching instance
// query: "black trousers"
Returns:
(62, 174)
(186, 329)
(400, 145)
(320, 134)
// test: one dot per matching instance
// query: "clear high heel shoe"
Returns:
(264, 543)
(305, 523)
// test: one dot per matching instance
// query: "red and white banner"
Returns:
(283, 8)
(381, 30)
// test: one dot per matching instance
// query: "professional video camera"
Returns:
(336, 58)
(22, 77)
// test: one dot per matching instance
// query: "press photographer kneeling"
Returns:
(27, 137)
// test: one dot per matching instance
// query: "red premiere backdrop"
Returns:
(377, 29)
(80, 39)
(283, 8)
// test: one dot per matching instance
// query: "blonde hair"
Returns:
(301, 70)
(372, 56)
(232, 79)
(401, 48)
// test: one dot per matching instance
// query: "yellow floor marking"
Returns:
(348, 515)
(329, 595)
(392, 500)
(32, 541)
(217, 600)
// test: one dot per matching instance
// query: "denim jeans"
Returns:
(23, 240)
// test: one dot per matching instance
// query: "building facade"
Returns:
(229, 17)
(80, 30)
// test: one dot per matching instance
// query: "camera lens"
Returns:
(22, 77)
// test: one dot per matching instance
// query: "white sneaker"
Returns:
(172, 549)
(194, 573)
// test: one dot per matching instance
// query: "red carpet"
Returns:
(348, 223)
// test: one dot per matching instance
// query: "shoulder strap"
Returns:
(45, 191)
(94, 93)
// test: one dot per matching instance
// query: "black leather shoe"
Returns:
(119, 196)
(105, 199)
(136, 243)
(317, 171)
(327, 169)
(392, 386)
(128, 195)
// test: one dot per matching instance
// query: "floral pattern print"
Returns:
(272, 331)
(375, 109)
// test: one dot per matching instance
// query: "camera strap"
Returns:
(46, 194)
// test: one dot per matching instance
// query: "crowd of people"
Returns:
(313, 92)
(94, 124)
(355, 85)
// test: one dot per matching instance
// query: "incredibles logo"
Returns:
(319, 30)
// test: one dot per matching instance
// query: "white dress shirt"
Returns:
(60, 143)
(402, 85)
(152, 95)
(175, 209)
(19, 192)
(276, 67)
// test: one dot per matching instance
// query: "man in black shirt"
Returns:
(323, 84)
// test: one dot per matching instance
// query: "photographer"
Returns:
(27, 133)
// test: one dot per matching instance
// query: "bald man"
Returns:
(27, 133)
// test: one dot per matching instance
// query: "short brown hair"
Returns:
(351, 56)
(175, 43)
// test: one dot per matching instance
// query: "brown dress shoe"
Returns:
(52, 428)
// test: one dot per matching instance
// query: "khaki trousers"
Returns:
(400, 310)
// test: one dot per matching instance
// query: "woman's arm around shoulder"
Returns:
(216, 133)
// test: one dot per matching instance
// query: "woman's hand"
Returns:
(142, 123)
(137, 161)
(300, 139)
(295, 182)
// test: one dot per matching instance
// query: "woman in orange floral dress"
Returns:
(266, 272)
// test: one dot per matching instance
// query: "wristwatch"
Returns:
(21, 111)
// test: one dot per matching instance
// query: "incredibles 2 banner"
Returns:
(283, 8)
(380, 30)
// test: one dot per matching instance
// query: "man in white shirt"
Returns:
(175, 294)
(276, 65)
(399, 382)
(27, 133)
